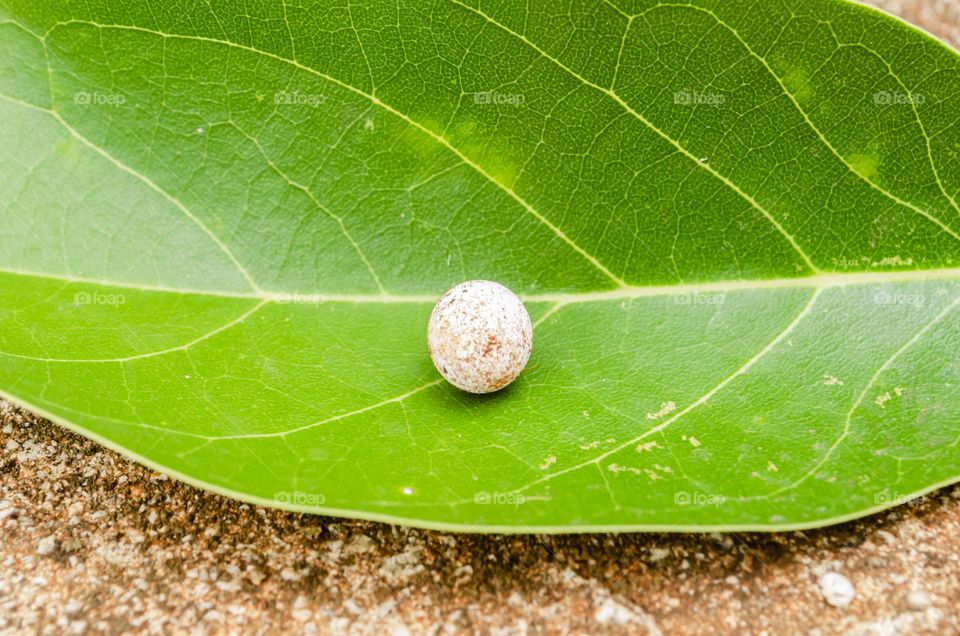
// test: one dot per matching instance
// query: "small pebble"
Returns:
(887, 536)
(46, 545)
(836, 589)
(919, 600)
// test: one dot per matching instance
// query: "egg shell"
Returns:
(480, 336)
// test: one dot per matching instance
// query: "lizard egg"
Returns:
(480, 336)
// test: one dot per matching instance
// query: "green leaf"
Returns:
(735, 225)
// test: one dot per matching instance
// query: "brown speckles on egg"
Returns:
(480, 336)
(492, 344)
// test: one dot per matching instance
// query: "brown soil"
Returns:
(93, 542)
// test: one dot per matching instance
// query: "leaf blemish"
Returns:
(597, 443)
(665, 409)
(548, 462)
(883, 398)
(865, 165)
(797, 81)
(617, 468)
(893, 261)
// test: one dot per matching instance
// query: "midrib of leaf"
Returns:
(816, 281)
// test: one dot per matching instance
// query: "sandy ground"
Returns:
(90, 543)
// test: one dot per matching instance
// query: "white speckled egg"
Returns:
(480, 336)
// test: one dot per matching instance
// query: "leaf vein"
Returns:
(924, 213)
(144, 179)
(673, 142)
(152, 354)
(387, 107)
(804, 312)
(857, 403)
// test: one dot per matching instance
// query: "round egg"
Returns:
(480, 336)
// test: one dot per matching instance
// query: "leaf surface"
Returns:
(735, 225)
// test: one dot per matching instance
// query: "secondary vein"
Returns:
(144, 179)
(673, 142)
(804, 312)
(387, 107)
